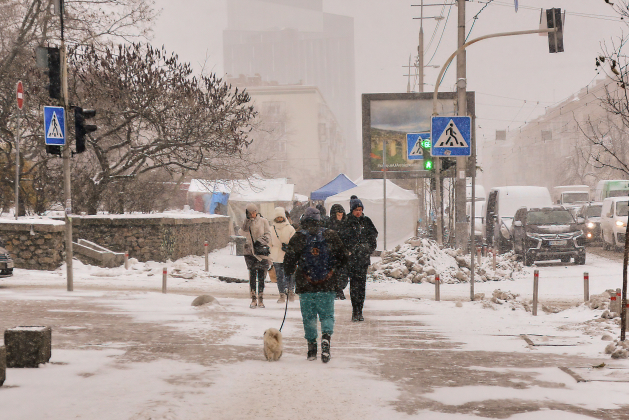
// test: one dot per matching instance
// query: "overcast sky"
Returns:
(514, 77)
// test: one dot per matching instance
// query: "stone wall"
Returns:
(158, 237)
(36, 246)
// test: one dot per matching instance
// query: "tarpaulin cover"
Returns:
(337, 185)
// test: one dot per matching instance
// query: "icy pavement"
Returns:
(123, 350)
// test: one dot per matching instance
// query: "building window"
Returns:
(273, 107)
(281, 146)
(322, 133)
(547, 135)
(501, 135)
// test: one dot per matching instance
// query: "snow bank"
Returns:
(419, 260)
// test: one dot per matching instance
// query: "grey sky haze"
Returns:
(514, 78)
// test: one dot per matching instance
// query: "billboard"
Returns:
(391, 117)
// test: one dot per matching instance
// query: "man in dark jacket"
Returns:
(360, 238)
(335, 222)
(316, 295)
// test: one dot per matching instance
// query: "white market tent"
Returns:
(402, 209)
(265, 193)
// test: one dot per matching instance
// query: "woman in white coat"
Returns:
(281, 232)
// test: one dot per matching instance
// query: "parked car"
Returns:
(6, 262)
(614, 221)
(591, 215)
(548, 233)
(500, 207)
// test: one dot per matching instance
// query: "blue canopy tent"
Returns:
(337, 185)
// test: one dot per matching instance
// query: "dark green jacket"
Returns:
(292, 258)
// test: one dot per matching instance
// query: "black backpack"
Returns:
(316, 260)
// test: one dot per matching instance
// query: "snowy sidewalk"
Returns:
(141, 354)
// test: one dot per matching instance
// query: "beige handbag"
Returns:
(272, 274)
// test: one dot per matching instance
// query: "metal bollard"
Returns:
(478, 254)
(126, 260)
(437, 287)
(586, 287)
(618, 300)
(164, 277)
(493, 256)
(485, 251)
(535, 290)
(612, 304)
(206, 247)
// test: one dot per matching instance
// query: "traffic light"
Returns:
(54, 73)
(53, 150)
(428, 162)
(555, 39)
(81, 129)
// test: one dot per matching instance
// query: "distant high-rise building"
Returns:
(293, 42)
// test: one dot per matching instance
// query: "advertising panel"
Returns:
(391, 117)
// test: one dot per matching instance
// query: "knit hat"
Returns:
(311, 214)
(354, 203)
(321, 209)
(250, 209)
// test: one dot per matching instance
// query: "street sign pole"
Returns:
(384, 188)
(17, 165)
(67, 189)
(460, 221)
(19, 91)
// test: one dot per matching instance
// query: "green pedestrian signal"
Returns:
(428, 160)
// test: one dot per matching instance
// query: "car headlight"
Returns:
(590, 225)
(620, 223)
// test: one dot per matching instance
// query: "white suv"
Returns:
(614, 221)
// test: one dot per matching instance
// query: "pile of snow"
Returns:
(419, 260)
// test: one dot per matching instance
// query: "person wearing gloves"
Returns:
(281, 232)
(256, 230)
(335, 222)
(315, 254)
(360, 238)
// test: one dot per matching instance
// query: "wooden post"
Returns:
(164, 277)
(207, 263)
(586, 287)
(437, 291)
(126, 260)
(535, 291)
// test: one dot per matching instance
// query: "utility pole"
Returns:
(461, 224)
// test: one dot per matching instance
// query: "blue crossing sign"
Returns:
(415, 145)
(451, 136)
(55, 125)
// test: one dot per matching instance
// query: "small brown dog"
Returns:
(273, 345)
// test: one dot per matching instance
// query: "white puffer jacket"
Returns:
(280, 233)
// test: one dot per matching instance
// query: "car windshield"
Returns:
(593, 211)
(549, 217)
(575, 197)
(621, 208)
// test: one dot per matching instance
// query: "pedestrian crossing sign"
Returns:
(415, 145)
(54, 125)
(451, 136)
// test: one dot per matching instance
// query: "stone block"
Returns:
(27, 346)
(3, 364)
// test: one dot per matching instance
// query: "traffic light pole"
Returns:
(435, 106)
(67, 190)
(460, 221)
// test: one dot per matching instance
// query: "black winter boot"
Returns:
(325, 348)
(312, 350)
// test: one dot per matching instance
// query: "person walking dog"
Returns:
(360, 238)
(281, 232)
(257, 252)
(315, 254)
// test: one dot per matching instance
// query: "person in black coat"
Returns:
(335, 222)
(360, 236)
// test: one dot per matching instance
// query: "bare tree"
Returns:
(154, 114)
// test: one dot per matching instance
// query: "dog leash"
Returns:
(285, 310)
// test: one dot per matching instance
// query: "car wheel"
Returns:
(565, 259)
(580, 260)
(528, 259)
